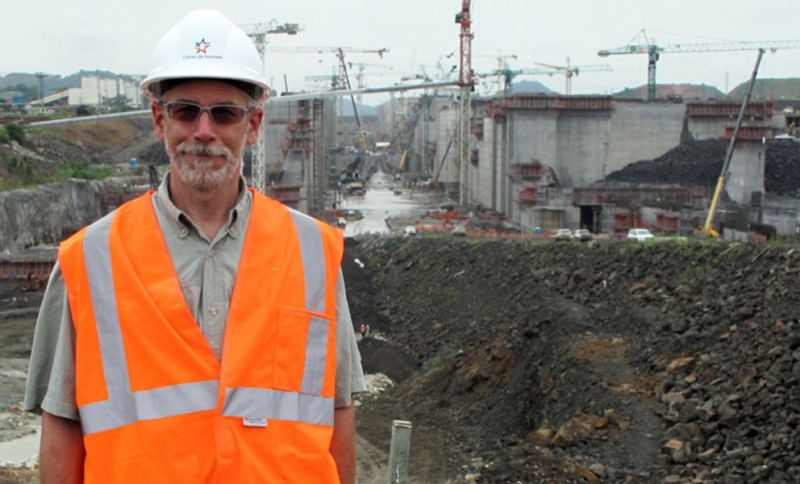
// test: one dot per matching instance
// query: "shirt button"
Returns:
(184, 232)
(213, 311)
(211, 253)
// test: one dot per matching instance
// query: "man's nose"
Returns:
(205, 129)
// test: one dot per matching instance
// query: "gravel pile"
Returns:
(587, 362)
(699, 163)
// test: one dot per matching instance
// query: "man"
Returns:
(199, 333)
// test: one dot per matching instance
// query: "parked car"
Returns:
(341, 223)
(639, 235)
(410, 230)
(583, 235)
(562, 234)
(459, 231)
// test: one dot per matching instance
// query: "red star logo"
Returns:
(202, 46)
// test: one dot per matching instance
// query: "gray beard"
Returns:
(201, 175)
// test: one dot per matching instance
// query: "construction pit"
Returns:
(519, 359)
(525, 360)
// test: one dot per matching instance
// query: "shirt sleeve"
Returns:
(349, 374)
(51, 375)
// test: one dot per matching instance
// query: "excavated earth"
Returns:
(599, 362)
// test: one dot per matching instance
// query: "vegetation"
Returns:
(15, 132)
(79, 168)
(24, 173)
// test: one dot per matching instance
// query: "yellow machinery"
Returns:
(708, 230)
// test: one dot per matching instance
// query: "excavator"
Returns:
(708, 230)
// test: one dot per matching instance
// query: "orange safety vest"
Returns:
(156, 405)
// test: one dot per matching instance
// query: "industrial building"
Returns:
(542, 159)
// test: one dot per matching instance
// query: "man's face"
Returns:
(205, 154)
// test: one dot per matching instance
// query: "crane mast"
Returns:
(258, 32)
(654, 52)
(465, 83)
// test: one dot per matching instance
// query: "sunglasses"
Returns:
(187, 112)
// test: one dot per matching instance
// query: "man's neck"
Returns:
(210, 210)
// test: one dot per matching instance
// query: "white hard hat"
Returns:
(205, 45)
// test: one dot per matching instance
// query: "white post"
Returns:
(398, 454)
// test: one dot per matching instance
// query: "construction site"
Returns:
(515, 354)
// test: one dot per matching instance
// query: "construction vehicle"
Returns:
(641, 44)
(707, 230)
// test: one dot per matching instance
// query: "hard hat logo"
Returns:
(205, 45)
(201, 47)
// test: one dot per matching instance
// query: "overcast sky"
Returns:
(59, 37)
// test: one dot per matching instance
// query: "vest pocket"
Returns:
(301, 351)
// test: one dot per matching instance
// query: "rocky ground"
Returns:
(540, 362)
(543, 362)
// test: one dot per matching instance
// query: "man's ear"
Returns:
(253, 125)
(158, 119)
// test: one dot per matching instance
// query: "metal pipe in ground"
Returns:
(398, 453)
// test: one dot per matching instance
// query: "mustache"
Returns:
(202, 149)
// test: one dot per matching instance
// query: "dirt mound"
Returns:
(577, 362)
(47, 152)
(698, 163)
(692, 163)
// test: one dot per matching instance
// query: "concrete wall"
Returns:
(746, 171)
(486, 173)
(642, 131)
(708, 128)
(444, 132)
(582, 142)
(579, 146)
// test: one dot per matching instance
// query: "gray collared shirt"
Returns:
(206, 269)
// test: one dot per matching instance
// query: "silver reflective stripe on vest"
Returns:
(313, 260)
(124, 407)
(315, 276)
(278, 405)
(316, 354)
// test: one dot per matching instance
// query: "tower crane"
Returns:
(258, 32)
(339, 51)
(360, 78)
(508, 74)
(641, 44)
(570, 70)
(466, 84)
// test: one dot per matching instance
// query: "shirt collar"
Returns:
(236, 218)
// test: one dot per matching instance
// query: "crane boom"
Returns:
(508, 75)
(322, 50)
(654, 51)
(723, 176)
